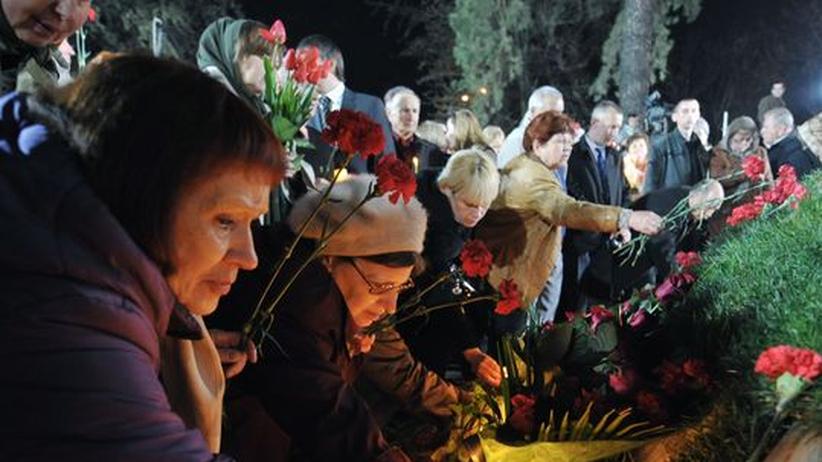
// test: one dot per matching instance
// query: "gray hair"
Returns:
(604, 107)
(542, 93)
(393, 92)
(537, 99)
(781, 116)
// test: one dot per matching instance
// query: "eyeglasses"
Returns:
(380, 288)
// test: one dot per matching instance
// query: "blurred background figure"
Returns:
(463, 131)
(434, 132)
(495, 136)
(635, 162)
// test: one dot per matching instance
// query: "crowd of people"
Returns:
(133, 251)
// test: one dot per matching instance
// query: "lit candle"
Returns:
(342, 174)
(416, 163)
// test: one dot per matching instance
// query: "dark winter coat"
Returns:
(82, 312)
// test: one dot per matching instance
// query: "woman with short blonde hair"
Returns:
(456, 199)
(472, 175)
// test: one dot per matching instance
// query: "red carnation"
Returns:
(754, 167)
(510, 298)
(523, 418)
(395, 177)
(353, 132)
(782, 359)
(688, 259)
(622, 381)
(476, 259)
(745, 212)
(786, 186)
(598, 315)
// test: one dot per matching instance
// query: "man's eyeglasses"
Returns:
(380, 288)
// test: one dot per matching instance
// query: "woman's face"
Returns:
(211, 234)
(741, 141)
(554, 153)
(639, 150)
(467, 213)
(45, 22)
(370, 290)
(252, 71)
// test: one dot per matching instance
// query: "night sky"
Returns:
(373, 64)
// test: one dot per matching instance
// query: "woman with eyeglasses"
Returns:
(309, 363)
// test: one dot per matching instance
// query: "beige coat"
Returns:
(522, 228)
(195, 384)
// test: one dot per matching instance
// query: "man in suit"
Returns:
(783, 145)
(402, 106)
(594, 175)
(334, 95)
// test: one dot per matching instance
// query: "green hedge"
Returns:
(760, 286)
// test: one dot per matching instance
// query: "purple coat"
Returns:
(82, 309)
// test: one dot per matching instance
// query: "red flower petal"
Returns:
(510, 298)
(395, 177)
(277, 32)
(476, 259)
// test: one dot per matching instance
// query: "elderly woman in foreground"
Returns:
(127, 199)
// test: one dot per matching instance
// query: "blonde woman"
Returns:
(456, 199)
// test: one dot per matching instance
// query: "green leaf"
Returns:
(283, 128)
(788, 387)
(605, 338)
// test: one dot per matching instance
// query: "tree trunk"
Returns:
(635, 54)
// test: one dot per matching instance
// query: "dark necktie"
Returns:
(603, 176)
(324, 106)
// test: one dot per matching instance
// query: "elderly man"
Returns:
(545, 98)
(30, 32)
(783, 146)
(402, 106)
(677, 158)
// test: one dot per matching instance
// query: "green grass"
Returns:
(761, 286)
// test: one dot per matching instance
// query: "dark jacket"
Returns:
(428, 155)
(81, 316)
(580, 248)
(304, 379)
(441, 336)
(791, 151)
(370, 105)
(675, 162)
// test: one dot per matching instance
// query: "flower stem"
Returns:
(390, 320)
(289, 253)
